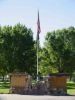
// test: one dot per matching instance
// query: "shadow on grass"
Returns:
(71, 85)
(4, 85)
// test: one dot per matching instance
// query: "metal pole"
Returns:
(37, 58)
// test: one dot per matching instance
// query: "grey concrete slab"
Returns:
(29, 97)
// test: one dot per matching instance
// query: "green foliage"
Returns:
(17, 45)
(59, 51)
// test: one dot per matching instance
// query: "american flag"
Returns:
(38, 27)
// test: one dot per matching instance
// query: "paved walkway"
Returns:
(26, 97)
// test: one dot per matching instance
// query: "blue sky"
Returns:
(54, 14)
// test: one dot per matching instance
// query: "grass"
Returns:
(4, 91)
(5, 86)
(71, 88)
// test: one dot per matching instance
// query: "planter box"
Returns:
(20, 82)
(57, 83)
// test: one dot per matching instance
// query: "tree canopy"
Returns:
(59, 51)
(17, 49)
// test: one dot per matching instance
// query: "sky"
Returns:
(54, 14)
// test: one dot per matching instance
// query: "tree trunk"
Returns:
(70, 77)
(3, 78)
(59, 68)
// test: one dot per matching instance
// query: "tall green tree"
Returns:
(3, 62)
(19, 50)
(60, 50)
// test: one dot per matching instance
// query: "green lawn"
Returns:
(4, 87)
(71, 88)
(4, 91)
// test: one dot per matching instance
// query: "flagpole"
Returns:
(37, 58)
(38, 32)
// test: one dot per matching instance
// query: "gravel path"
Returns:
(27, 97)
